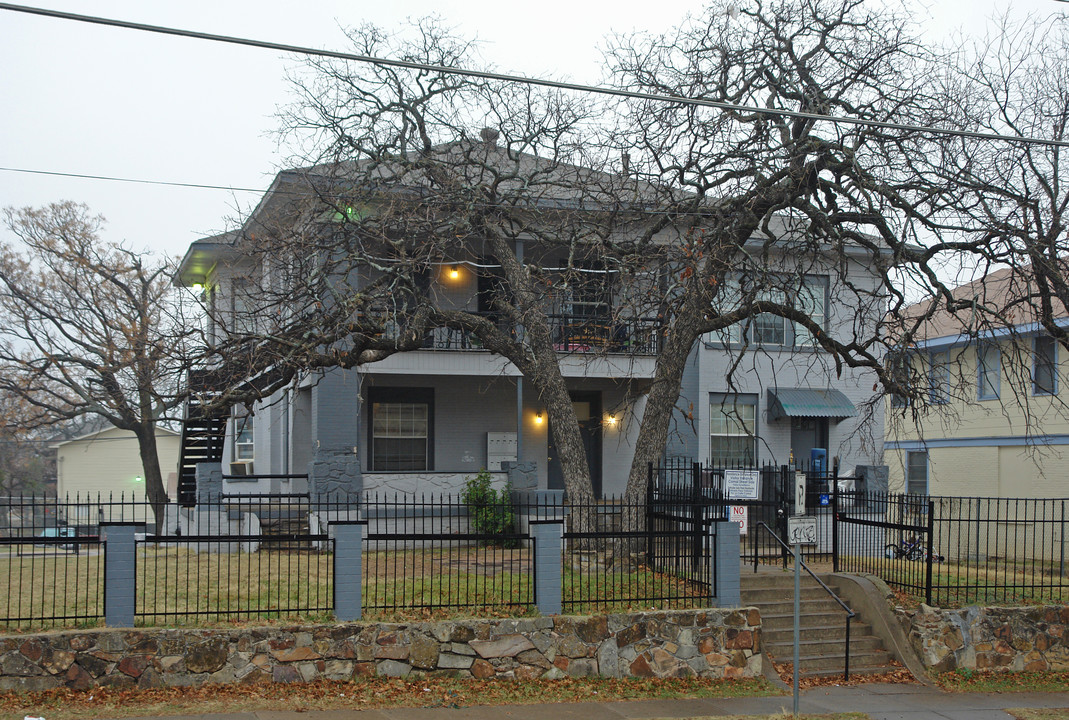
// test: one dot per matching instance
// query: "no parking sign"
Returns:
(739, 514)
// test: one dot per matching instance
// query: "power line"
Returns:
(556, 84)
(136, 181)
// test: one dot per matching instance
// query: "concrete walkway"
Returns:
(880, 701)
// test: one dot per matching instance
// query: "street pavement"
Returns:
(882, 701)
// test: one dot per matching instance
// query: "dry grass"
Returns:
(177, 586)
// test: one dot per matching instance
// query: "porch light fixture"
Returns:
(138, 479)
(538, 418)
(611, 419)
(454, 272)
(197, 287)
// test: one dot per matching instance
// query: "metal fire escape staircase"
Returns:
(203, 433)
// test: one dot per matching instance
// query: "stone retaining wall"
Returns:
(990, 638)
(706, 643)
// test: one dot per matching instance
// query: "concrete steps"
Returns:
(822, 647)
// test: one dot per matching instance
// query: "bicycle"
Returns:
(909, 548)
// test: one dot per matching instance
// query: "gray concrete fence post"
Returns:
(120, 572)
(348, 568)
(727, 563)
(548, 543)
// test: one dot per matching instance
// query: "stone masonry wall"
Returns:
(990, 638)
(707, 643)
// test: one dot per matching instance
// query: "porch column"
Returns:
(335, 466)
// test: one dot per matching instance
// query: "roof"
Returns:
(160, 432)
(1005, 298)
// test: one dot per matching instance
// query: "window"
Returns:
(243, 438)
(939, 377)
(1044, 366)
(987, 361)
(898, 365)
(401, 429)
(917, 473)
(767, 329)
(732, 430)
(812, 300)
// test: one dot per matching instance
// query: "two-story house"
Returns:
(994, 421)
(424, 420)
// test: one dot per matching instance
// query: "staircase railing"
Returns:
(850, 614)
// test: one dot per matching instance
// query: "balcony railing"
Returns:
(571, 334)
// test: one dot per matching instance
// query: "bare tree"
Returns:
(703, 219)
(88, 328)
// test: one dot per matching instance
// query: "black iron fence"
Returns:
(271, 556)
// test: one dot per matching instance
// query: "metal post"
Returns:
(797, 620)
(348, 569)
(835, 518)
(928, 563)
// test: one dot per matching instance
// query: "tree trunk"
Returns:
(150, 464)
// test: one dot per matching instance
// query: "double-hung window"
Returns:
(244, 446)
(1044, 365)
(813, 301)
(987, 366)
(401, 429)
(939, 377)
(917, 473)
(732, 430)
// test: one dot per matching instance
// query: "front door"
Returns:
(807, 433)
(587, 406)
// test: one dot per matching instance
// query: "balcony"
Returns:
(571, 334)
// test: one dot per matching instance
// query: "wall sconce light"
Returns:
(611, 419)
(538, 418)
(454, 272)
(138, 479)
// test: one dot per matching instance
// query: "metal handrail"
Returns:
(850, 614)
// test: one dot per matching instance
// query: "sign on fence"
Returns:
(802, 529)
(741, 484)
(739, 514)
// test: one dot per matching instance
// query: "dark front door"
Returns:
(807, 433)
(587, 406)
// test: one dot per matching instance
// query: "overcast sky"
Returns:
(93, 100)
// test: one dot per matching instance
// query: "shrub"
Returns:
(490, 509)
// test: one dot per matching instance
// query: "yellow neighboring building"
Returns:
(996, 423)
(107, 462)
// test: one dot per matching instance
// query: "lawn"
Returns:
(177, 586)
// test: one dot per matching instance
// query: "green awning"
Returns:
(805, 402)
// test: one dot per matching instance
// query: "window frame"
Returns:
(241, 424)
(909, 466)
(939, 377)
(399, 396)
(1052, 362)
(718, 404)
(982, 353)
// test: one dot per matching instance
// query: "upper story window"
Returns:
(732, 430)
(939, 377)
(1044, 365)
(244, 445)
(987, 371)
(768, 329)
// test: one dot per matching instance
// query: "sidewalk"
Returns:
(880, 701)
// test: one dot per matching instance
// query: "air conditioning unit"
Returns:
(241, 467)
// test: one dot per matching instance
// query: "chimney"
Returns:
(489, 136)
